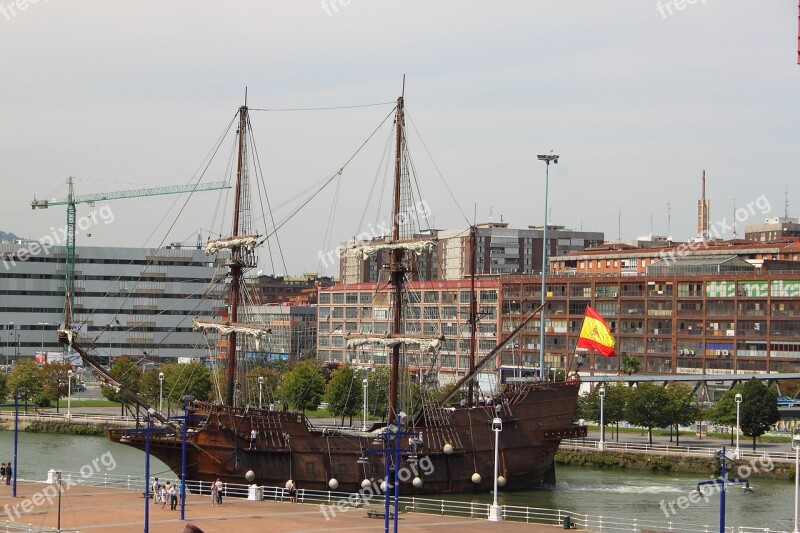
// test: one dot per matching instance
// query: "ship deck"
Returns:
(88, 508)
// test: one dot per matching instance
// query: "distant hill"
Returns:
(7, 236)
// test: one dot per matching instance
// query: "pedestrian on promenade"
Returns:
(156, 494)
(173, 496)
(214, 494)
(9, 471)
(164, 494)
(292, 492)
(218, 483)
(3, 471)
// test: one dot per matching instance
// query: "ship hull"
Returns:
(448, 446)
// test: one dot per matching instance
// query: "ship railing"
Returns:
(635, 447)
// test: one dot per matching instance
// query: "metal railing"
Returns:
(6, 526)
(591, 444)
(412, 504)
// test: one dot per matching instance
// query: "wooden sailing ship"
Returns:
(447, 448)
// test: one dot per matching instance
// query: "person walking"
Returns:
(156, 493)
(218, 483)
(214, 494)
(173, 496)
(164, 494)
(3, 471)
(9, 471)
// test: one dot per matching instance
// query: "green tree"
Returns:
(193, 379)
(647, 407)
(127, 374)
(150, 387)
(614, 404)
(3, 387)
(55, 381)
(378, 392)
(344, 393)
(269, 389)
(681, 407)
(303, 386)
(759, 409)
(629, 364)
(724, 412)
(26, 377)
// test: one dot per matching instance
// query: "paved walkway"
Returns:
(122, 511)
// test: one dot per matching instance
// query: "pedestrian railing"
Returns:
(6, 526)
(411, 504)
(591, 444)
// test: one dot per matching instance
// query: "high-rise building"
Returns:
(128, 301)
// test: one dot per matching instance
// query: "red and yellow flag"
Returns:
(595, 333)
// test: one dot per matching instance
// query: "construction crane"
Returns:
(71, 201)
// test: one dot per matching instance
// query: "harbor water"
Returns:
(592, 491)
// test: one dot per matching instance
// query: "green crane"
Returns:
(72, 200)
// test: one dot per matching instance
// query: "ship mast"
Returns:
(396, 265)
(236, 260)
(473, 312)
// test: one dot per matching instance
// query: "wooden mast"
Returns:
(236, 262)
(473, 312)
(396, 266)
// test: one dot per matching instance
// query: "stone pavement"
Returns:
(122, 511)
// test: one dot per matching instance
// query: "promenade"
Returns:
(86, 508)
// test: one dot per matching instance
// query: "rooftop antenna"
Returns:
(619, 225)
(651, 224)
(786, 205)
(734, 219)
(669, 220)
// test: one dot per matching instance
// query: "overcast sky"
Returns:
(637, 97)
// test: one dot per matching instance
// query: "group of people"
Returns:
(5, 472)
(168, 492)
(216, 493)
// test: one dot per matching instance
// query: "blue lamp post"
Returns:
(724, 458)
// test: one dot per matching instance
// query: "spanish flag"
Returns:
(595, 333)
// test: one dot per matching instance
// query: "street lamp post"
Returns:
(547, 159)
(69, 393)
(160, 391)
(796, 446)
(260, 390)
(43, 324)
(602, 444)
(494, 511)
(738, 398)
(8, 341)
(364, 425)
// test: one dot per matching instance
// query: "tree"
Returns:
(26, 377)
(647, 407)
(193, 379)
(629, 364)
(724, 412)
(378, 392)
(3, 387)
(150, 387)
(272, 380)
(303, 386)
(55, 381)
(759, 409)
(680, 407)
(127, 374)
(344, 393)
(614, 404)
